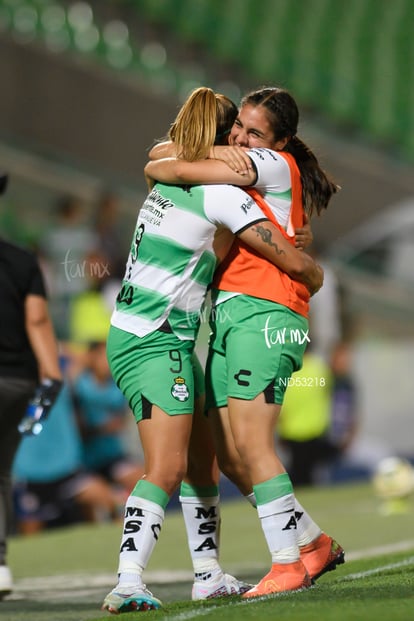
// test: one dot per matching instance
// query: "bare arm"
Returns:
(41, 336)
(236, 158)
(171, 170)
(266, 239)
(162, 150)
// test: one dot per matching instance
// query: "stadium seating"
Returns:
(350, 60)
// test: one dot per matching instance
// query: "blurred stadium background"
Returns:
(86, 88)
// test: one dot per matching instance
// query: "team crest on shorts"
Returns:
(179, 389)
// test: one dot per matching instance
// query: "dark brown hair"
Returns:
(283, 115)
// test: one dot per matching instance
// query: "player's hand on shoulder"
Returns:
(235, 157)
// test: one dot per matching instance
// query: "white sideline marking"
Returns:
(76, 581)
(191, 614)
(371, 572)
(400, 546)
(60, 587)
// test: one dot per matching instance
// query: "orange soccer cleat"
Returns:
(321, 555)
(281, 578)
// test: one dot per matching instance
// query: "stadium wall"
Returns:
(75, 110)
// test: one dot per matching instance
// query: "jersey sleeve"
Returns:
(273, 173)
(231, 207)
(35, 284)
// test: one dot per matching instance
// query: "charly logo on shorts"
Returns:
(179, 389)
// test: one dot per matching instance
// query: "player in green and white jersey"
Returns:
(170, 265)
(178, 237)
(172, 257)
(246, 368)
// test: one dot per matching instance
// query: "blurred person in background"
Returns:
(102, 416)
(151, 340)
(100, 405)
(90, 310)
(244, 374)
(344, 422)
(318, 421)
(64, 249)
(305, 419)
(107, 226)
(28, 359)
(52, 486)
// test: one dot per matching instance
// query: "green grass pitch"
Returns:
(63, 575)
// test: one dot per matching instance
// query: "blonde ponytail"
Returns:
(194, 129)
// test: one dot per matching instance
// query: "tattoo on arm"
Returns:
(266, 236)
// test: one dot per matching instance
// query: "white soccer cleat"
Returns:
(130, 599)
(222, 586)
